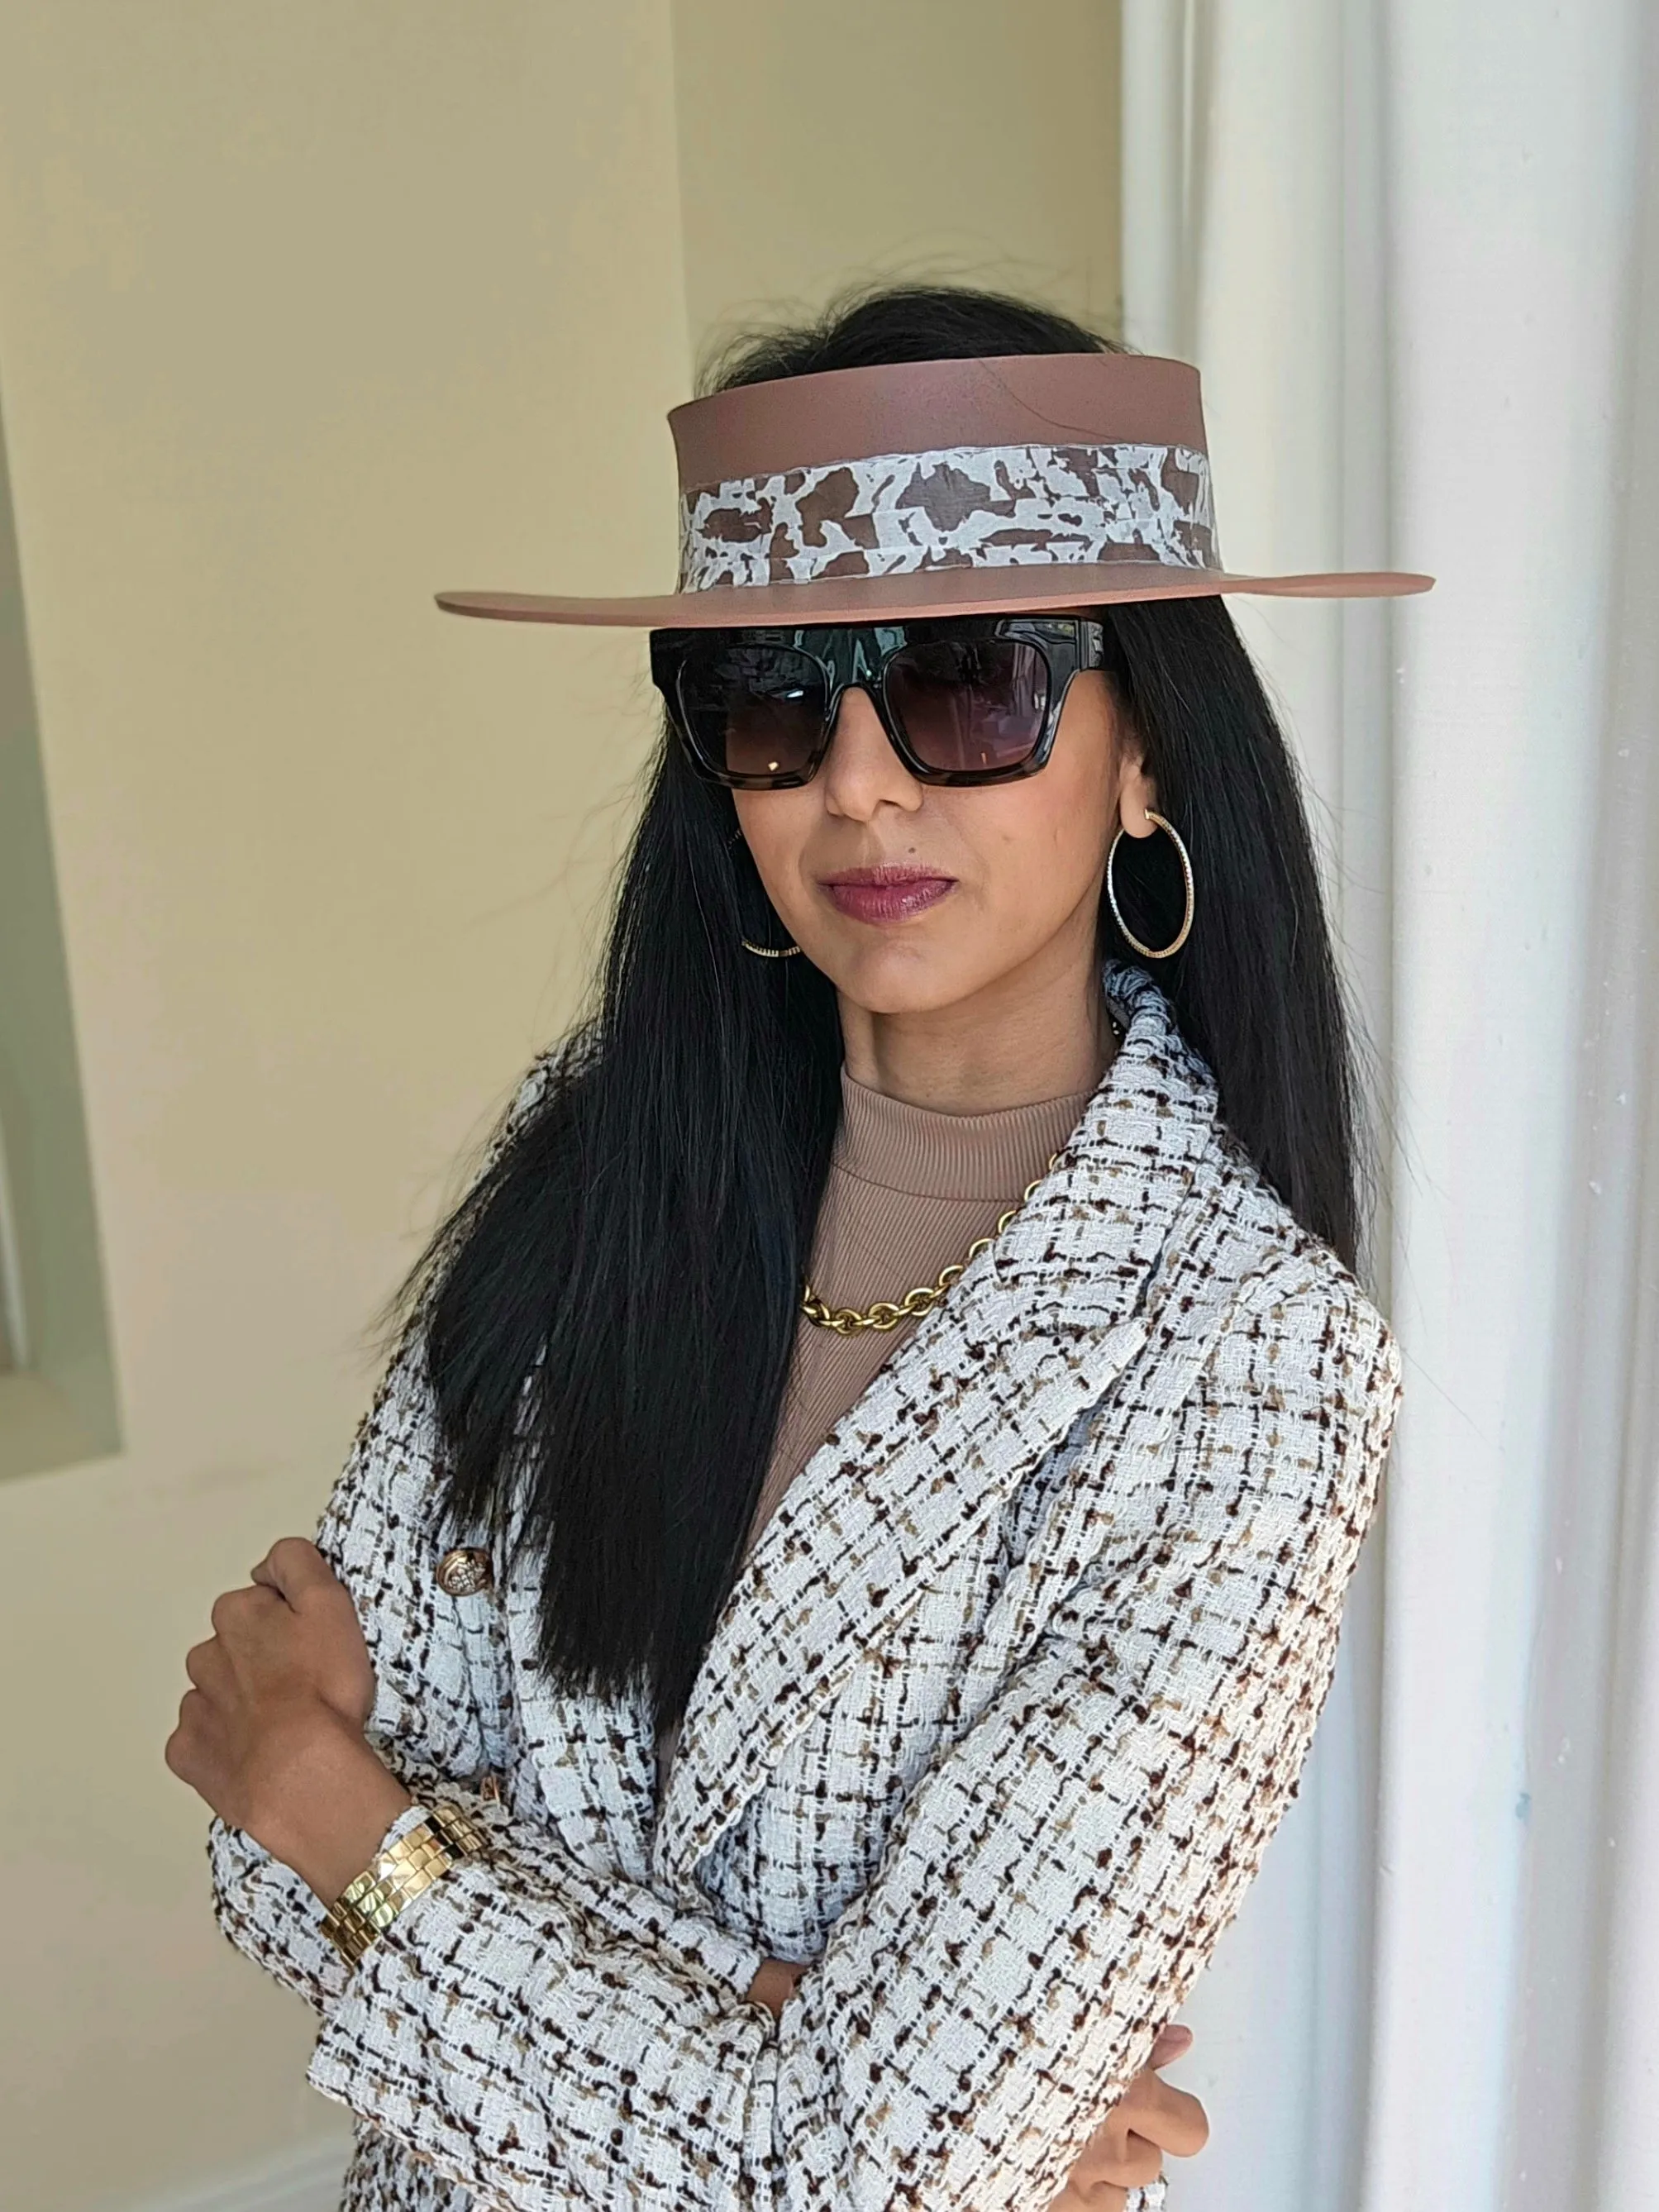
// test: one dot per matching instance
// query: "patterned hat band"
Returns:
(963, 507)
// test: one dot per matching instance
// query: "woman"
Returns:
(747, 1736)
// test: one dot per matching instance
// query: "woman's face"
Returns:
(912, 898)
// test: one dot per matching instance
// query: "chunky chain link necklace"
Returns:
(848, 1320)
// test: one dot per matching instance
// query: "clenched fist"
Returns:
(271, 1732)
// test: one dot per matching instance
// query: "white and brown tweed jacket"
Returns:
(994, 1727)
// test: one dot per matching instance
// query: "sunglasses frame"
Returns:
(855, 656)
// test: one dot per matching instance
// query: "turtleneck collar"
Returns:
(929, 1154)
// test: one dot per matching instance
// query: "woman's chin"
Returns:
(895, 977)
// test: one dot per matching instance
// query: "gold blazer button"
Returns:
(465, 1571)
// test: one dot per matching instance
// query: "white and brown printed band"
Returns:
(964, 506)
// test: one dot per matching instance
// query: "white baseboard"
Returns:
(304, 2180)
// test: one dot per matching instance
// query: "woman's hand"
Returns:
(1127, 2151)
(271, 1735)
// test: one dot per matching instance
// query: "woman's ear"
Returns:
(1137, 793)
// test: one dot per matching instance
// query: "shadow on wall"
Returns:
(58, 1397)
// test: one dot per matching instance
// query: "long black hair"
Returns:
(608, 1314)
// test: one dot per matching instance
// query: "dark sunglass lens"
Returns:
(971, 705)
(753, 710)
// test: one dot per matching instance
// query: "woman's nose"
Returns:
(861, 771)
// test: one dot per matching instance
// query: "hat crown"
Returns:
(1022, 460)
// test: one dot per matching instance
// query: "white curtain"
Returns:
(1413, 246)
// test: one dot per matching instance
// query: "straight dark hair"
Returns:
(608, 1314)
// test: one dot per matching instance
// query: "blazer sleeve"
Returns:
(1052, 1887)
(261, 1905)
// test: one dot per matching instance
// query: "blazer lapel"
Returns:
(1032, 1334)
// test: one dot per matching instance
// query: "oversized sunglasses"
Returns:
(972, 700)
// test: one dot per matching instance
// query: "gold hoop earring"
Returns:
(771, 952)
(1149, 952)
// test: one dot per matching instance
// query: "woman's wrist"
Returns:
(327, 1801)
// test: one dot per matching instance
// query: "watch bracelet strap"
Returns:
(423, 1853)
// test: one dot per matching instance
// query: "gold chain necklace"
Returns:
(848, 1320)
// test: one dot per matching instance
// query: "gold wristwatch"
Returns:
(369, 1903)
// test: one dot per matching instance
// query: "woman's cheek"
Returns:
(777, 846)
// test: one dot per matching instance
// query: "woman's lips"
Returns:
(886, 894)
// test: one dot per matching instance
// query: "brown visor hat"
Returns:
(1033, 482)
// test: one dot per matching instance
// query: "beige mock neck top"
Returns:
(909, 1190)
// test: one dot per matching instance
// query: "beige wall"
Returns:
(975, 139)
(305, 311)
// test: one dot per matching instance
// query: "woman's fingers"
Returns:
(1140, 2162)
(1175, 2122)
(293, 1565)
(204, 1662)
(1150, 2120)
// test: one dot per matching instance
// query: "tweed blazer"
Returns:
(992, 1728)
